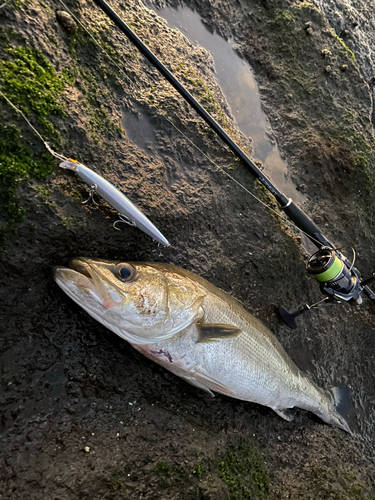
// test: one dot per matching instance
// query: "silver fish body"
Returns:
(196, 331)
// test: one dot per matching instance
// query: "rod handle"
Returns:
(303, 222)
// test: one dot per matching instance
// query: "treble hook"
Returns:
(158, 250)
(124, 218)
(92, 192)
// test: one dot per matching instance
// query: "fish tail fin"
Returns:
(334, 413)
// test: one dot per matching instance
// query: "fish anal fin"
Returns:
(193, 381)
(214, 332)
(286, 414)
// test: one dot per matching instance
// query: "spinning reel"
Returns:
(338, 279)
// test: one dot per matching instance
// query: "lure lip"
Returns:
(116, 199)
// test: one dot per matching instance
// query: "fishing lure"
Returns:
(129, 213)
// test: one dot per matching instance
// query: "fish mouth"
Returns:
(77, 272)
(81, 266)
(82, 283)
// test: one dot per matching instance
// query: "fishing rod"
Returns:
(338, 278)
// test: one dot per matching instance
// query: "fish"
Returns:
(197, 331)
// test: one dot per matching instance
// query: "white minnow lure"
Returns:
(116, 199)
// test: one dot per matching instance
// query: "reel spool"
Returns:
(335, 274)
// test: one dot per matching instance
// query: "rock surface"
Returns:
(354, 22)
(83, 414)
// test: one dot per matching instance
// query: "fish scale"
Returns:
(196, 331)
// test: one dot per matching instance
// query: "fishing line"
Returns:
(129, 80)
(128, 212)
(47, 146)
(61, 157)
(338, 278)
(4, 4)
(234, 179)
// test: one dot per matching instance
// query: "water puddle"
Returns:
(237, 82)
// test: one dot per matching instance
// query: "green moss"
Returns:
(162, 468)
(43, 191)
(67, 221)
(282, 19)
(17, 4)
(198, 470)
(181, 474)
(243, 471)
(343, 44)
(45, 7)
(201, 91)
(360, 148)
(29, 80)
(17, 163)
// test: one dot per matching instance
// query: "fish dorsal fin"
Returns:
(214, 332)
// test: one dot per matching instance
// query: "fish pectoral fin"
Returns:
(205, 382)
(213, 332)
(286, 414)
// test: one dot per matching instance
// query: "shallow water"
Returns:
(236, 79)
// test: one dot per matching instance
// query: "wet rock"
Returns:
(356, 16)
(337, 338)
(66, 20)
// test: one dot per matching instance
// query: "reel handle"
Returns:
(289, 317)
(370, 294)
(369, 280)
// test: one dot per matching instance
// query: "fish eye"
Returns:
(125, 272)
